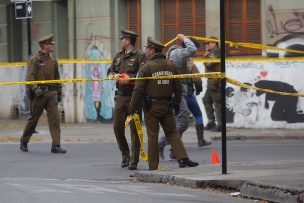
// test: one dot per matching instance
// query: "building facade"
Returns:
(91, 30)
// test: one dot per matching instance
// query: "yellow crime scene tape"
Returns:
(198, 75)
(237, 83)
(206, 60)
(140, 134)
(207, 75)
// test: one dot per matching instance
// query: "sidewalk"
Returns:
(279, 181)
(11, 130)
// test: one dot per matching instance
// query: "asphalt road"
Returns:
(90, 172)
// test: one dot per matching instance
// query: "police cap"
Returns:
(49, 39)
(215, 40)
(153, 43)
(128, 34)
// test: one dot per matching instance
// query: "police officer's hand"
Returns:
(124, 81)
(197, 92)
(38, 93)
(176, 109)
(59, 97)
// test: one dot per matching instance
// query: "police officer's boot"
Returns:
(125, 163)
(201, 142)
(161, 146)
(23, 146)
(217, 128)
(187, 162)
(132, 167)
(57, 149)
(210, 125)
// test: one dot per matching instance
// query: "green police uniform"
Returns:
(42, 66)
(159, 96)
(212, 96)
(126, 63)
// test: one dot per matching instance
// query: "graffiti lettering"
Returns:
(293, 24)
(245, 65)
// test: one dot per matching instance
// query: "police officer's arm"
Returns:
(177, 87)
(197, 81)
(57, 77)
(216, 53)
(111, 69)
(31, 74)
(139, 89)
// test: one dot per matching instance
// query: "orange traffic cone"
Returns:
(215, 159)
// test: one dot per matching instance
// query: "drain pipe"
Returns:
(75, 65)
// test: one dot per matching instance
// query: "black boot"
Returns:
(201, 142)
(125, 163)
(210, 125)
(58, 150)
(23, 146)
(216, 129)
(132, 167)
(187, 162)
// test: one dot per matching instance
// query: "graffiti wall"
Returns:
(254, 109)
(280, 23)
(99, 95)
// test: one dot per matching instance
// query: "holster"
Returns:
(30, 93)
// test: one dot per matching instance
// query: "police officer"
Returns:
(158, 104)
(42, 66)
(126, 64)
(212, 96)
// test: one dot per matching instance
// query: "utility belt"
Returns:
(48, 88)
(150, 101)
(124, 90)
(123, 93)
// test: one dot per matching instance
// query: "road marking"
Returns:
(77, 186)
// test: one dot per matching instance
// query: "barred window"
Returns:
(183, 16)
(243, 22)
(133, 11)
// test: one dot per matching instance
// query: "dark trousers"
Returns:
(212, 102)
(121, 111)
(160, 114)
(48, 102)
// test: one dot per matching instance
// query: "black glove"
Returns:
(176, 109)
(38, 93)
(59, 97)
(197, 92)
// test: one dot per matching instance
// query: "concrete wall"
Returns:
(212, 18)
(244, 108)
(150, 24)
(3, 32)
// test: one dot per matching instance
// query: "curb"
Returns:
(246, 188)
(263, 137)
(4, 139)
